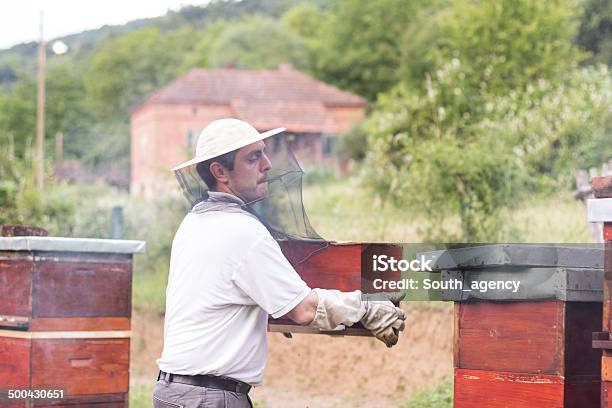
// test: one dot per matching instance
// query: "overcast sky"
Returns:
(19, 19)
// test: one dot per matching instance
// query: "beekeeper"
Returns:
(227, 274)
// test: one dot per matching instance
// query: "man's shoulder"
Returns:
(228, 223)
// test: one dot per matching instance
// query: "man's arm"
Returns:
(305, 312)
(276, 287)
(326, 309)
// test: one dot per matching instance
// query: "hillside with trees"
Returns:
(486, 101)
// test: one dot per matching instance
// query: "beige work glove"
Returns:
(336, 308)
(383, 319)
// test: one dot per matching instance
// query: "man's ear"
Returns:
(219, 172)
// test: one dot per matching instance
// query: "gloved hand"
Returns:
(383, 319)
(376, 312)
(335, 308)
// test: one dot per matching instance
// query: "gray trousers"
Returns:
(177, 395)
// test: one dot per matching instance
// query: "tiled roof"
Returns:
(307, 117)
(226, 86)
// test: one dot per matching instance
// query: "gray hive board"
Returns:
(526, 255)
(61, 244)
(567, 284)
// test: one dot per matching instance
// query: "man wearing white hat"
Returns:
(227, 274)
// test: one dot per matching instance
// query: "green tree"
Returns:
(305, 19)
(129, 67)
(10, 171)
(109, 144)
(507, 44)
(437, 153)
(556, 128)
(65, 110)
(204, 43)
(521, 42)
(418, 45)
(436, 141)
(595, 32)
(426, 151)
(360, 41)
(259, 42)
(18, 116)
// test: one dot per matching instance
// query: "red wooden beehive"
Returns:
(331, 265)
(531, 348)
(65, 307)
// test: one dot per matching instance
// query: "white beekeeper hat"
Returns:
(223, 136)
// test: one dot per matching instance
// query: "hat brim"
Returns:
(235, 146)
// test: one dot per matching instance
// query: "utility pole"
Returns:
(39, 162)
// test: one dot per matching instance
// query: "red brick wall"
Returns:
(343, 118)
(159, 142)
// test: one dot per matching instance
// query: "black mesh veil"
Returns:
(282, 209)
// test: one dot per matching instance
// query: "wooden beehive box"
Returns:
(531, 348)
(65, 307)
(331, 265)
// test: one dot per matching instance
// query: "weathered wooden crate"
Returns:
(65, 307)
(85, 367)
(331, 265)
(533, 347)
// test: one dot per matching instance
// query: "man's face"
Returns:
(248, 179)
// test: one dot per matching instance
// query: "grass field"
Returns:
(345, 212)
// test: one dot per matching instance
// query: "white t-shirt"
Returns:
(227, 274)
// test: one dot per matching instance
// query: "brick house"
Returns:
(165, 128)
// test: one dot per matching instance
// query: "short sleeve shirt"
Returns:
(227, 274)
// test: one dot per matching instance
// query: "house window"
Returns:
(329, 142)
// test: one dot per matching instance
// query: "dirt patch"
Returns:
(326, 371)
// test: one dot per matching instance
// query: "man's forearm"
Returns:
(305, 312)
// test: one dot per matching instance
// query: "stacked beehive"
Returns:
(600, 210)
(65, 307)
(530, 347)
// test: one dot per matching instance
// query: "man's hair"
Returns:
(226, 160)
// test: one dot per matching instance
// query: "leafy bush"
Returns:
(554, 129)
(502, 111)
(451, 150)
(425, 151)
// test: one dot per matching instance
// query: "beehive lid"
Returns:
(523, 255)
(61, 244)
